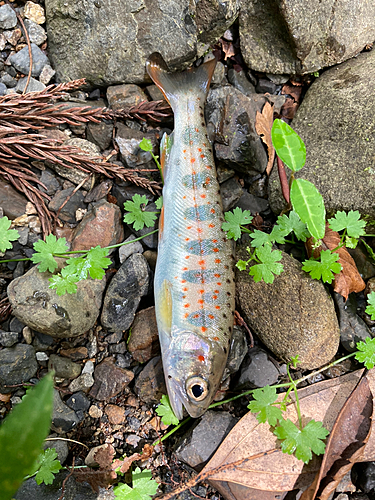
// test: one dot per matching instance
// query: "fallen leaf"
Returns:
(347, 441)
(228, 49)
(104, 456)
(289, 108)
(293, 90)
(349, 280)
(267, 476)
(5, 398)
(263, 126)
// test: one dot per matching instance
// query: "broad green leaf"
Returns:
(234, 221)
(137, 215)
(93, 263)
(269, 265)
(366, 350)
(164, 410)
(323, 268)
(308, 203)
(145, 144)
(302, 442)
(44, 251)
(144, 487)
(159, 203)
(263, 399)
(22, 435)
(292, 223)
(288, 145)
(370, 309)
(63, 284)
(7, 235)
(260, 238)
(350, 221)
(48, 466)
(241, 265)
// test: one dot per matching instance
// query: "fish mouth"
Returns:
(176, 403)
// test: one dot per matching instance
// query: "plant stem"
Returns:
(294, 387)
(172, 431)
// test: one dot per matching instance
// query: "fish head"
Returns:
(193, 369)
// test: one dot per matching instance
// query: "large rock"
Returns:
(124, 293)
(17, 365)
(335, 121)
(40, 308)
(293, 315)
(108, 42)
(302, 37)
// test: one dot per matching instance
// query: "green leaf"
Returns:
(136, 214)
(302, 442)
(260, 238)
(144, 487)
(63, 284)
(269, 264)
(323, 268)
(366, 349)
(350, 221)
(351, 242)
(295, 360)
(164, 410)
(288, 145)
(45, 250)
(145, 144)
(293, 223)
(241, 265)
(277, 234)
(263, 399)
(308, 203)
(159, 203)
(22, 435)
(7, 235)
(234, 221)
(94, 264)
(370, 251)
(48, 466)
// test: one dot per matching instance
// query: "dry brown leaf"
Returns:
(349, 280)
(347, 441)
(263, 126)
(5, 398)
(228, 49)
(269, 476)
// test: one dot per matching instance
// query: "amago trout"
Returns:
(194, 280)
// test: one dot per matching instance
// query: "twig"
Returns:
(72, 194)
(65, 481)
(240, 321)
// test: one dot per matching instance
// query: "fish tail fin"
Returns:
(177, 85)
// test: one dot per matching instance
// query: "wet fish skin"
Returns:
(194, 278)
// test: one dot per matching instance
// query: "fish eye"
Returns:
(197, 388)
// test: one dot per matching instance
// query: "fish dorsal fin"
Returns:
(177, 85)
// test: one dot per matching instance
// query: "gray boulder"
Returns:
(108, 42)
(40, 308)
(292, 316)
(302, 37)
(335, 122)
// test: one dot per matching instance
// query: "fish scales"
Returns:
(194, 278)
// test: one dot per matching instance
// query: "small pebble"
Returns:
(27, 335)
(95, 412)
(88, 368)
(34, 12)
(41, 356)
(8, 18)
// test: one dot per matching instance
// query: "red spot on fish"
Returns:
(201, 291)
(202, 155)
(185, 289)
(204, 144)
(217, 275)
(184, 151)
(199, 229)
(184, 268)
(202, 262)
(197, 129)
(187, 305)
(211, 225)
(213, 210)
(187, 239)
(217, 307)
(183, 281)
(199, 149)
(193, 172)
(203, 196)
(184, 197)
(184, 296)
(217, 261)
(189, 227)
(200, 301)
(216, 338)
(218, 284)
(187, 257)
(214, 297)
(207, 166)
(203, 329)
(214, 241)
(208, 180)
(196, 316)
(192, 161)
(186, 315)
(211, 316)
(215, 250)
(201, 359)
(216, 291)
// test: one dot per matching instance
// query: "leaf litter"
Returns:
(348, 280)
(263, 126)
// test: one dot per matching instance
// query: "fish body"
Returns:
(194, 278)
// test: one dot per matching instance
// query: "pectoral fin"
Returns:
(164, 307)
(165, 149)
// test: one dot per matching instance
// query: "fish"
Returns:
(194, 284)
